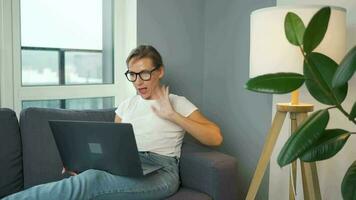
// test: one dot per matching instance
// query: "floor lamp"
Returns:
(270, 52)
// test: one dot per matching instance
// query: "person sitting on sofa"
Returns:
(159, 120)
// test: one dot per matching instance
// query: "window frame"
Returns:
(12, 93)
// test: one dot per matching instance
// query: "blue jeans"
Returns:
(95, 184)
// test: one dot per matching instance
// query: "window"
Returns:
(62, 42)
(54, 66)
(83, 103)
(61, 53)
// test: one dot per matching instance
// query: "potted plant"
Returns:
(327, 82)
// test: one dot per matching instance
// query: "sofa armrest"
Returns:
(208, 171)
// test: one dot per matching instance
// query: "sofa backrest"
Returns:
(11, 178)
(41, 161)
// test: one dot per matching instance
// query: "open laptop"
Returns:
(106, 146)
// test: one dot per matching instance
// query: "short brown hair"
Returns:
(146, 51)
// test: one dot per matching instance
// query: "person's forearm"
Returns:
(208, 134)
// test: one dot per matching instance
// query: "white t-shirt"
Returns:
(153, 133)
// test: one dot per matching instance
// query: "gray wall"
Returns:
(176, 29)
(243, 116)
(205, 45)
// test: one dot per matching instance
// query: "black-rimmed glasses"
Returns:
(144, 75)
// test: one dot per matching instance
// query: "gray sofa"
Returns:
(28, 156)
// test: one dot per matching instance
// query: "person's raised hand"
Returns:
(64, 170)
(164, 109)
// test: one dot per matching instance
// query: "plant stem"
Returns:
(332, 107)
(345, 113)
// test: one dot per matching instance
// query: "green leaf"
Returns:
(348, 186)
(353, 112)
(278, 83)
(294, 29)
(319, 70)
(316, 29)
(330, 142)
(304, 137)
(346, 70)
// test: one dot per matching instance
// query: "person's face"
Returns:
(147, 89)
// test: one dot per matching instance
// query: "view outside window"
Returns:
(40, 67)
(78, 104)
(83, 67)
(42, 104)
(90, 103)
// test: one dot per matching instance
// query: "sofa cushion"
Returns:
(208, 171)
(41, 160)
(189, 194)
(11, 180)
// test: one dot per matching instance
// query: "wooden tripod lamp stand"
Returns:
(298, 112)
(270, 52)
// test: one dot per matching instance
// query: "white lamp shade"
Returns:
(270, 51)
